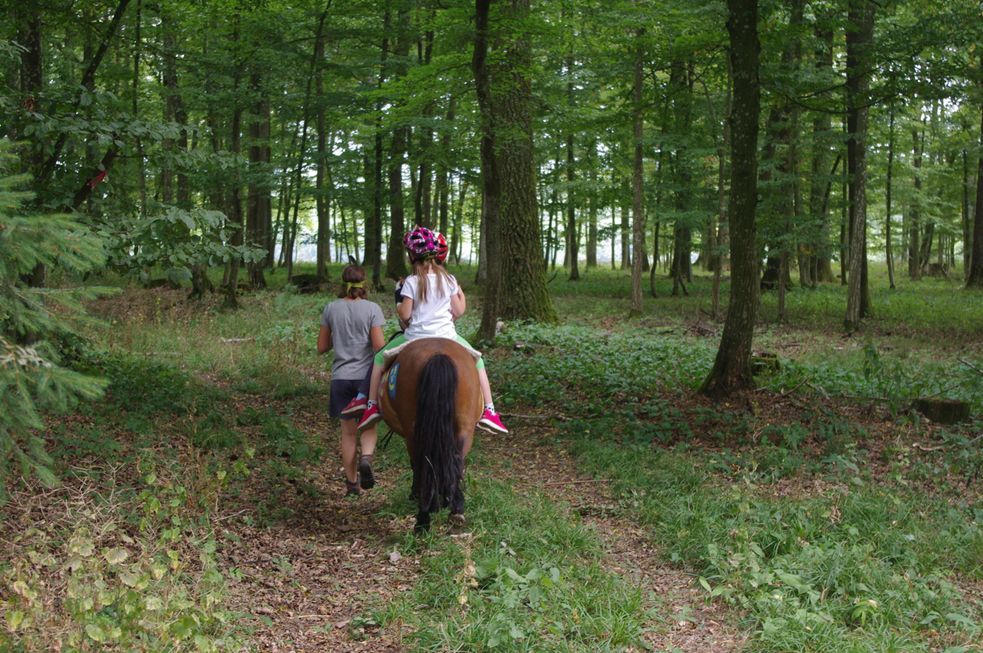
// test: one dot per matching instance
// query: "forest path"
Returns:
(681, 618)
(310, 581)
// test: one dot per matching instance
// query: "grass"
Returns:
(833, 517)
(862, 567)
(527, 577)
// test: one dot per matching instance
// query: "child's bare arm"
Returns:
(458, 304)
(377, 337)
(405, 309)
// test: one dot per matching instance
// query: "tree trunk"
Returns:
(732, 366)
(860, 36)
(638, 218)
(722, 235)
(818, 200)
(234, 210)
(523, 293)
(373, 227)
(31, 85)
(490, 181)
(889, 255)
(572, 242)
(322, 203)
(914, 211)
(258, 193)
(443, 172)
(975, 277)
(395, 259)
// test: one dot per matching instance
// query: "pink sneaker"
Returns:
(490, 421)
(370, 417)
(354, 406)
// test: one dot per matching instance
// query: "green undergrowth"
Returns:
(122, 555)
(858, 566)
(583, 369)
(527, 577)
(927, 310)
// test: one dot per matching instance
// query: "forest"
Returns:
(724, 260)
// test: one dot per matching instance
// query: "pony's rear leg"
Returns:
(456, 518)
(422, 523)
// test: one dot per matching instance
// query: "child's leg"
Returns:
(374, 382)
(486, 395)
(377, 366)
(372, 413)
(364, 388)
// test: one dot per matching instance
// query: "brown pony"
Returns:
(430, 395)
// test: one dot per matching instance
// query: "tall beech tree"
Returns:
(859, 40)
(521, 288)
(732, 366)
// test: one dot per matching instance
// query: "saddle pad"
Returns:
(390, 354)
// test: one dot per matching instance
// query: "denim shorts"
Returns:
(342, 392)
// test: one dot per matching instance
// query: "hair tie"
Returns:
(353, 284)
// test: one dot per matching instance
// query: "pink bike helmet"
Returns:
(442, 248)
(421, 243)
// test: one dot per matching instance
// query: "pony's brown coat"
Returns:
(399, 412)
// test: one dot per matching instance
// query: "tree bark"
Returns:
(638, 217)
(592, 206)
(914, 211)
(889, 255)
(732, 366)
(818, 199)
(523, 293)
(373, 228)
(395, 259)
(322, 203)
(975, 277)
(490, 182)
(860, 34)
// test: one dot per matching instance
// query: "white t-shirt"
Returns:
(432, 318)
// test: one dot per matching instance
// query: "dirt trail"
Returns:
(685, 620)
(308, 583)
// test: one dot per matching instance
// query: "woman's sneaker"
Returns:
(365, 476)
(355, 406)
(490, 421)
(370, 417)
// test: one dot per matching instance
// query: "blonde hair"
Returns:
(422, 269)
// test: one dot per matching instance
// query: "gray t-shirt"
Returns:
(350, 322)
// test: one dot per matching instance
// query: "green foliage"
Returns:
(177, 241)
(144, 589)
(864, 568)
(32, 321)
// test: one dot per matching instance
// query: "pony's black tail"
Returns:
(439, 463)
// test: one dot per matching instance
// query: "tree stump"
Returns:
(943, 411)
(764, 363)
(307, 283)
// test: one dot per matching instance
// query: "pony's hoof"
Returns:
(421, 529)
(457, 521)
